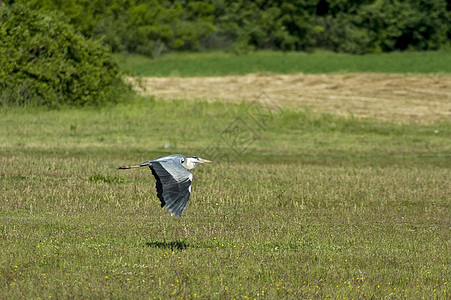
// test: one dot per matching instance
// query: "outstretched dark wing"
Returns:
(173, 185)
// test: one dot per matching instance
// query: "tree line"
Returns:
(151, 27)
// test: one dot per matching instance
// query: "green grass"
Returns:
(317, 206)
(220, 64)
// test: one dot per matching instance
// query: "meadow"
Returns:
(297, 204)
(318, 62)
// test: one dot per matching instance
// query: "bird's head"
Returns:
(190, 162)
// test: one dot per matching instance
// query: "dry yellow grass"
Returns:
(422, 99)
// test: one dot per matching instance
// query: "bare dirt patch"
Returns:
(403, 98)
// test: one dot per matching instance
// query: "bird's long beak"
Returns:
(205, 160)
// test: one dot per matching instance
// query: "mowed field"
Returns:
(421, 99)
(302, 200)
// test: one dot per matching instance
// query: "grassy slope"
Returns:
(315, 206)
(219, 64)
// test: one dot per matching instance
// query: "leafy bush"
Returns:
(45, 62)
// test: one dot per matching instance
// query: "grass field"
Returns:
(297, 204)
(220, 64)
(312, 206)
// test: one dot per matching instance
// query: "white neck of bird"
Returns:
(189, 163)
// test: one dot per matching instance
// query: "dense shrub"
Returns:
(284, 25)
(382, 26)
(45, 62)
(345, 26)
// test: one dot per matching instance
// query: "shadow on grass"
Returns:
(173, 245)
(182, 245)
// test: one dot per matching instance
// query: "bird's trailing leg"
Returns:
(129, 167)
(144, 164)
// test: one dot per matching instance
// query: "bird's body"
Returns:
(173, 179)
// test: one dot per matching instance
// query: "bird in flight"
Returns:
(173, 179)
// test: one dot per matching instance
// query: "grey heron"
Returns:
(173, 179)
